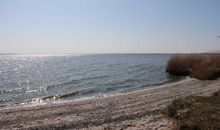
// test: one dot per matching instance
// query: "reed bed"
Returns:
(204, 67)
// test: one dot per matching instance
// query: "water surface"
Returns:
(25, 78)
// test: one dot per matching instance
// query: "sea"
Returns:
(46, 78)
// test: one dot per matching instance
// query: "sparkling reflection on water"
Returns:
(69, 76)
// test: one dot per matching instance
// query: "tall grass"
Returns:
(196, 112)
(204, 67)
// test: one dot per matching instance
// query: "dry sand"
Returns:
(140, 109)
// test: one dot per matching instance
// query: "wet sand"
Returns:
(140, 109)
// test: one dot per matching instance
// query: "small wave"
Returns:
(44, 100)
(15, 90)
(72, 94)
(79, 93)
(59, 96)
(49, 98)
(21, 90)
(138, 66)
(96, 77)
(110, 89)
(4, 100)
(62, 84)
(52, 86)
(75, 81)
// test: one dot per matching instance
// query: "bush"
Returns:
(204, 67)
(196, 113)
(182, 65)
(176, 66)
(205, 71)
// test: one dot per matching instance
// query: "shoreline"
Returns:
(48, 100)
(138, 109)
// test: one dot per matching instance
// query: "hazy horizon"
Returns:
(113, 53)
(116, 26)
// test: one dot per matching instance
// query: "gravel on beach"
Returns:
(140, 109)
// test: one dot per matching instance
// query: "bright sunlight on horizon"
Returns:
(113, 26)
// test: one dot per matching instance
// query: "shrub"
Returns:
(182, 65)
(176, 66)
(172, 109)
(205, 71)
(196, 112)
(206, 67)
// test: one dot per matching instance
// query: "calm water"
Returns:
(26, 78)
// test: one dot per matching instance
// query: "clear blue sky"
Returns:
(109, 26)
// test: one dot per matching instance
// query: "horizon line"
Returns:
(108, 53)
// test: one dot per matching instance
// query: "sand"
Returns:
(137, 110)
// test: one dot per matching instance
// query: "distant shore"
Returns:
(140, 109)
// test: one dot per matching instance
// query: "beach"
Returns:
(109, 65)
(139, 109)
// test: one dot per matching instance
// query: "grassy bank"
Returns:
(196, 113)
(204, 67)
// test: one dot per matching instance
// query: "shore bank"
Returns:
(140, 109)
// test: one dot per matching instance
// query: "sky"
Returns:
(109, 26)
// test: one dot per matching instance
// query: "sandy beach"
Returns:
(140, 109)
